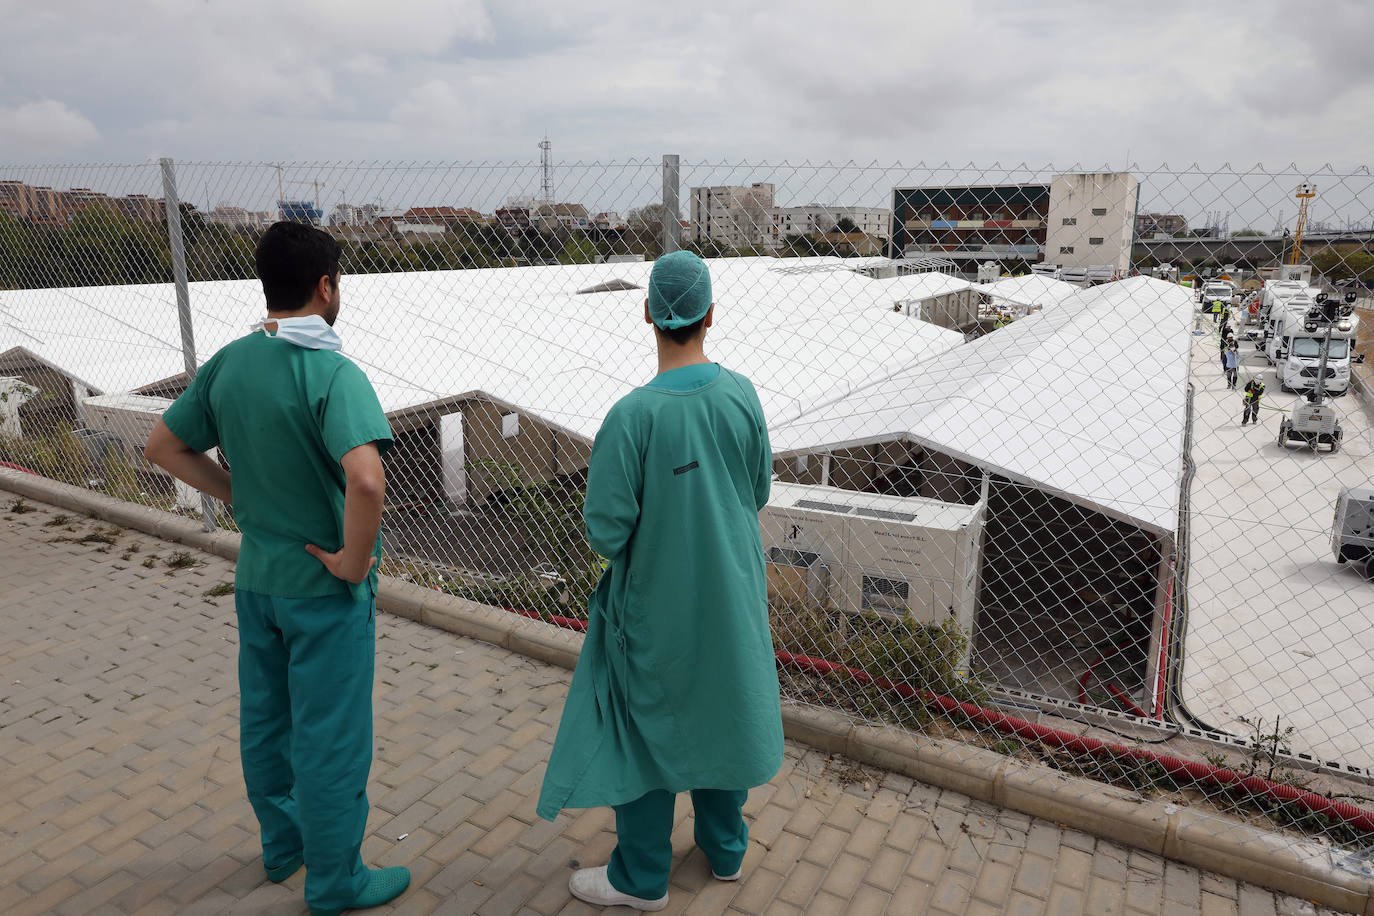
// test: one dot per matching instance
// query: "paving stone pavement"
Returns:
(120, 787)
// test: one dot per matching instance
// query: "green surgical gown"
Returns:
(676, 687)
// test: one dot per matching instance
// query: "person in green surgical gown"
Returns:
(303, 433)
(676, 688)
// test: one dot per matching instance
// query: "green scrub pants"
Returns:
(643, 854)
(305, 733)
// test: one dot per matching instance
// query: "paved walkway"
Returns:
(1276, 627)
(120, 788)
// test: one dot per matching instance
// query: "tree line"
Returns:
(101, 246)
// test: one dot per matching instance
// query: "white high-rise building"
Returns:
(1091, 220)
(739, 216)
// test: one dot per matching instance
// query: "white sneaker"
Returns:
(593, 886)
(734, 877)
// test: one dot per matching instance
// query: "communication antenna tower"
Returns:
(545, 171)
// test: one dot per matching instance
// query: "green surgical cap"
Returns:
(679, 290)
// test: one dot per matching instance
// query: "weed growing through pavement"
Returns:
(106, 536)
(182, 559)
(1268, 746)
(220, 590)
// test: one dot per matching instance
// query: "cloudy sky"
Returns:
(1000, 82)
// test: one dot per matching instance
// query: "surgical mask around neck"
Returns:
(309, 331)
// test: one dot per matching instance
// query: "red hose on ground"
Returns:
(567, 623)
(1126, 701)
(1161, 676)
(1191, 771)
(1117, 693)
(1176, 767)
(19, 467)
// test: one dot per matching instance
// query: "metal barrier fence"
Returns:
(1014, 500)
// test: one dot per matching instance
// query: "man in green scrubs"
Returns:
(303, 433)
(676, 687)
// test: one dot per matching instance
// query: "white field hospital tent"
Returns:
(1029, 291)
(1086, 401)
(523, 336)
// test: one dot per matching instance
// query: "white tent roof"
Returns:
(523, 336)
(1086, 400)
(1031, 289)
(914, 287)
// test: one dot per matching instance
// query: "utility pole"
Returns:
(672, 228)
(172, 205)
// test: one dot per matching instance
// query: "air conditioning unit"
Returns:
(864, 552)
(129, 419)
(14, 392)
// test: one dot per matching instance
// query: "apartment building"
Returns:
(739, 216)
(45, 206)
(1074, 220)
(817, 220)
(1091, 220)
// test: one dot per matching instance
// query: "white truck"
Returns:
(1286, 318)
(1215, 291)
(1299, 369)
(1300, 272)
(1303, 349)
(1274, 293)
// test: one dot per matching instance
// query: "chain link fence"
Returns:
(1015, 503)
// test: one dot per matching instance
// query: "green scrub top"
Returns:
(676, 687)
(283, 416)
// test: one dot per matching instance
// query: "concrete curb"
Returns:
(1362, 380)
(1232, 849)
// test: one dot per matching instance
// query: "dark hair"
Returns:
(290, 259)
(685, 334)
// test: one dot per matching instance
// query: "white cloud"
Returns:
(1059, 82)
(403, 27)
(433, 105)
(365, 65)
(47, 127)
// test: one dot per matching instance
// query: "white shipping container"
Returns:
(859, 552)
(131, 418)
(14, 393)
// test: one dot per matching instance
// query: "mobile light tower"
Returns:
(1305, 194)
(1315, 420)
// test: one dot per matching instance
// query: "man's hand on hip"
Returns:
(364, 490)
(340, 567)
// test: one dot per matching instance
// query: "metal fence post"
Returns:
(172, 206)
(672, 225)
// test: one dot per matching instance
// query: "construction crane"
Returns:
(1305, 193)
(316, 184)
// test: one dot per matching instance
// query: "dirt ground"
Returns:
(1364, 343)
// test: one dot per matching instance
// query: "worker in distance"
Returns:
(676, 688)
(304, 434)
